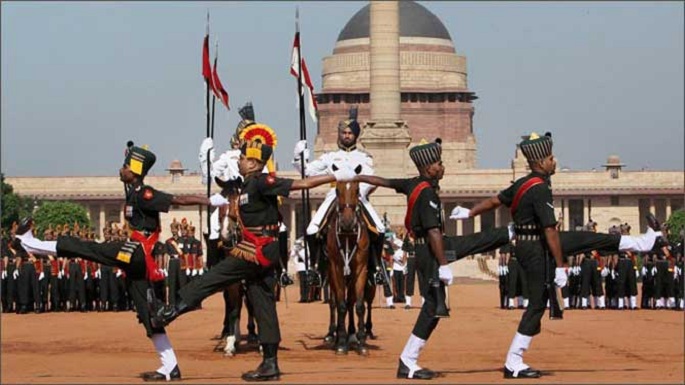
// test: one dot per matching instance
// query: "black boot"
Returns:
(438, 290)
(268, 369)
(167, 313)
(175, 375)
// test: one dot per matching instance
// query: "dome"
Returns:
(415, 21)
(613, 161)
(175, 165)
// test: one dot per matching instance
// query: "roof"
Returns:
(415, 21)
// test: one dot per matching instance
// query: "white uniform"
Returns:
(323, 165)
(297, 256)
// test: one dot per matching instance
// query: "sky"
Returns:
(79, 79)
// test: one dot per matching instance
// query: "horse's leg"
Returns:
(332, 309)
(235, 302)
(369, 296)
(359, 289)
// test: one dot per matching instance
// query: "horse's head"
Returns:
(348, 204)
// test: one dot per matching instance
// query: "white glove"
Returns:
(604, 272)
(654, 270)
(613, 274)
(98, 273)
(344, 174)
(460, 213)
(194, 272)
(118, 274)
(560, 277)
(200, 271)
(85, 276)
(41, 275)
(301, 147)
(166, 273)
(187, 271)
(15, 274)
(59, 274)
(218, 200)
(445, 274)
(506, 269)
(4, 274)
(637, 274)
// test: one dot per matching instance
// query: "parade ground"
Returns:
(588, 346)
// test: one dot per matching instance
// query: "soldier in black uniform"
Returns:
(409, 247)
(255, 256)
(424, 220)
(530, 200)
(143, 207)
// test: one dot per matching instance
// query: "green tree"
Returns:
(13, 206)
(676, 225)
(59, 213)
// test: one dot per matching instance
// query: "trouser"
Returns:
(107, 254)
(411, 275)
(44, 287)
(590, 279)
(107, 286)
(259, 282)
(625, 282)
(517, 279)
(29, 290)
(398, 279)
(503, 292)
(3, 292)
(302, 278)
(387, 290)
(663, 281)
(176, 279)
(531, 256)
(427, 269)
(647, 290)
(55, 293)
(77, 286)
(12, 289)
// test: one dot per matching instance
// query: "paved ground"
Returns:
(585, 347)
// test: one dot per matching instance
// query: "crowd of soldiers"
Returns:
(53, 283)
(609, 281)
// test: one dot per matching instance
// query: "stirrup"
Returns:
(285, 280)
(379, 278)
(313, 278)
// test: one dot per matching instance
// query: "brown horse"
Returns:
(347, 247)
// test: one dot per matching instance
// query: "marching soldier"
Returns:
(254, 258)
(143, 207)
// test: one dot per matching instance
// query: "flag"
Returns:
(217, 87)
(206, 67)
(306, 79)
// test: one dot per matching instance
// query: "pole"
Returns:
(303, 136)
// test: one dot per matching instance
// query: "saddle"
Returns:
(366, 217)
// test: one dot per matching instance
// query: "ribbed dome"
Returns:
(415, 21)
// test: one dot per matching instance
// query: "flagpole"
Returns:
(209, 135)
(303, 136)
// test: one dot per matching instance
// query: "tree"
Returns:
(59, 213)
(676, 225)
(13, 206)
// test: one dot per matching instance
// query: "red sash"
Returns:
(152, 273)
(258, 242)
(534, 181)
(412, 200)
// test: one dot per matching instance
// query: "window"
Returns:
(614, 200)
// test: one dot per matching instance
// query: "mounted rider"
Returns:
(350, 155)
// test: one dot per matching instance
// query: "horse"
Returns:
(347, 248)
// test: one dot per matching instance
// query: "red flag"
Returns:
(306, 80)
(206, 67)
(218, 88)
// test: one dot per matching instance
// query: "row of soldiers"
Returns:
(605, 281)
(54, 283)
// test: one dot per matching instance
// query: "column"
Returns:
(566, 218)
(102, 220)
(476, 224)
(586, 211)
(293, 222)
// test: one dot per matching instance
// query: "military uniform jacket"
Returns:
(143, 205)
(258, 212)
(352, 158)
(536, 206)
(427, 212)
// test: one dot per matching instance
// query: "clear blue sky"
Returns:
(79, 79)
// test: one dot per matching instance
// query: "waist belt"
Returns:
(527, 229)
(420, 241)
(527, 237)
(268, 230)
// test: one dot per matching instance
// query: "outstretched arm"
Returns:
(484, 206)
(312, 181)
(189, 200)
(374, 180)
